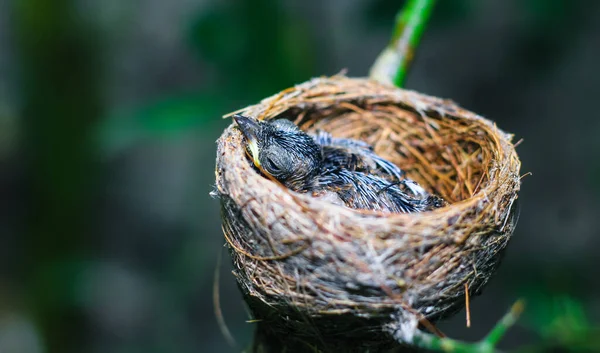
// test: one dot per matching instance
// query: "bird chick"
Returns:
(323, 165)
(355, 155)
(281, 150)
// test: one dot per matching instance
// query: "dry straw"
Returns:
(320, 275)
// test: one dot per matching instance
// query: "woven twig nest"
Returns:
(316, 272)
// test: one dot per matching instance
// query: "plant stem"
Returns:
(487, 345)
(391, 66)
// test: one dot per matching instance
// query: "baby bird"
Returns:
(355, 155)
(321, 165)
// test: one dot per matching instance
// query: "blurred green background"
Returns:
(109, 112)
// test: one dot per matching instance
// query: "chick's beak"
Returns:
(249, 128)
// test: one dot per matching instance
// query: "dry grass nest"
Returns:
(310, 268)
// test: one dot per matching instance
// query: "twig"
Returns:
(467, 305)
(487, 345)
(392, 64)
(217, 306)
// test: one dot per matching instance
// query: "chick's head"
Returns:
(281, 150)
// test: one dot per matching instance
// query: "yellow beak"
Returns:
(250, 129)
(253, 146)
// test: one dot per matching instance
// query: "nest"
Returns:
(316, 273)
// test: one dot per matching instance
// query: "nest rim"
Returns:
(266, 110)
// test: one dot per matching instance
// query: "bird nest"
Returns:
(315, 272)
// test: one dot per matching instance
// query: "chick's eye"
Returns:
(272, 165)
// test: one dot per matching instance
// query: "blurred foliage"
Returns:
(60, 104)
(561, 323)
(550, 31)
(255, 47)
(168, 118)
(9, 133)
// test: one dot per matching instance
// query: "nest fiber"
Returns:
(314, 271)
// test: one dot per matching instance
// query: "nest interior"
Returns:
(310, 268)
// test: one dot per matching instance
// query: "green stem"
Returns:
(487, 345)
(391, 66)
(507, 321)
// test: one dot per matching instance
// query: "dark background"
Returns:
(109, 112)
